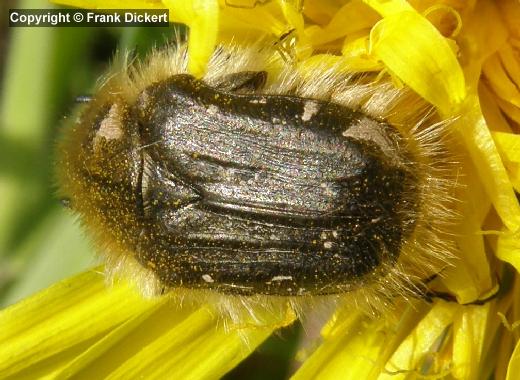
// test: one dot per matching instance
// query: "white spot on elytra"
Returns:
(258, 101)
(310, 109)
(327, 245)
(327, 188)
(207, 278)
(212, 109)
(110, 126)
(281, 278)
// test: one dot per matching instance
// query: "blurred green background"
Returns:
(42, 71)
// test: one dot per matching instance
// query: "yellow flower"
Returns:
(461, 57)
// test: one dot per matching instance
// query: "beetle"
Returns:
(221, 184)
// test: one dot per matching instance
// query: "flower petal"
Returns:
(488, 162)
(428, 65)
(469, 330)
(196, 348)
(508, 249)
(415, 353)
(357, 347)
(471, 278)
(513, 369)
(187, 341)
(501, 81)
(202, 17)
(389, 7)
(509, 145)
(320, 11)
(80, 327)
(350, 18)
(63, 316)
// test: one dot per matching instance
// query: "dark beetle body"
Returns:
(251, 193)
